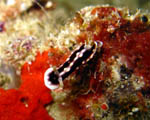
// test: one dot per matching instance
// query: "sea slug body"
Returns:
(79, 56)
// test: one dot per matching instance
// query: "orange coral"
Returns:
(27, 102)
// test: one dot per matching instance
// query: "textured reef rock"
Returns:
(114, 85)
(119, 88)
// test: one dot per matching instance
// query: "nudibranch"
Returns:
(53, 77)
